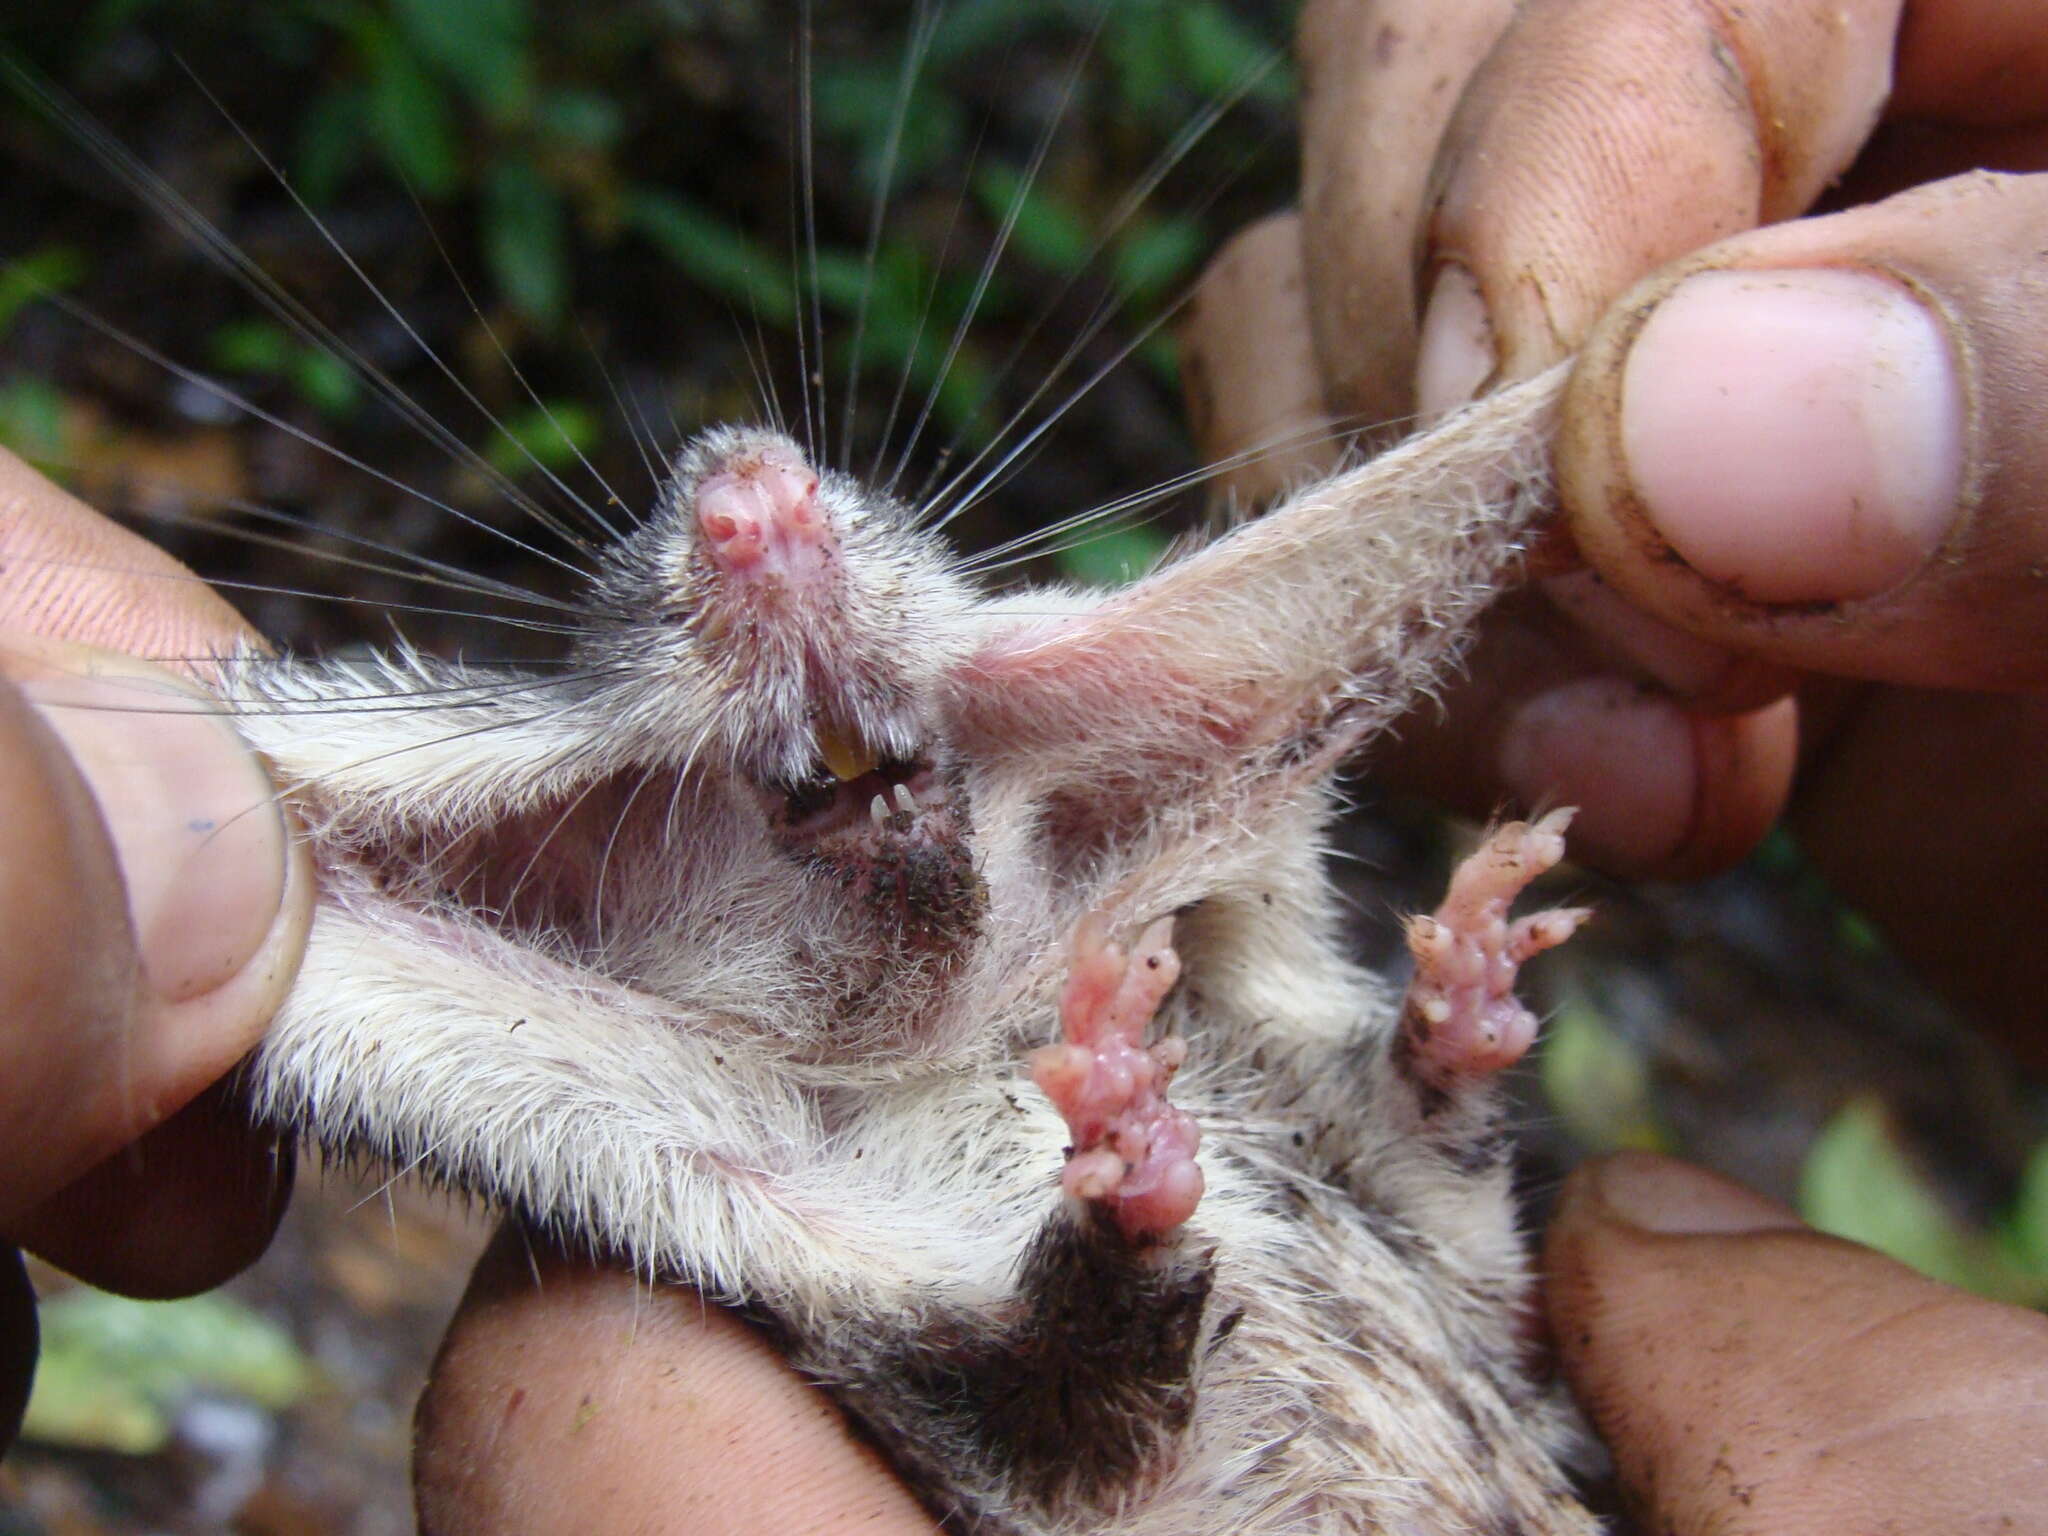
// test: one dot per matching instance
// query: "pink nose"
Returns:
(760, 516)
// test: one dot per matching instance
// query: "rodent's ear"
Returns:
(1118, 682)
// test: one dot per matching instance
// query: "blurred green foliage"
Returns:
(1598, 1083)
(265, 349)
(545, 146)
(113, 1372)
(1860, 1182)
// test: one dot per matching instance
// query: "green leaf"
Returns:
(482, 45)
(325, 382)
(971, 27)
(1048, 233)
(48, 270)
(1140, 45)
(855, 102)
(251, 346)
(112, 1370)
(2028, 1224)
(331, 135)
(407, 116)
(1598, 1083)
(525, 240)
(583, 119)
(1114, 557)
(1859, 1183)
(549, 436)
(267, 350)
(1155, 254)
(713, 253)
(32, 420)
(1217, 53)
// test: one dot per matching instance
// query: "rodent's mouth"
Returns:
(818, 808)
(896, 839)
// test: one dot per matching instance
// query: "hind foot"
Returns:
(1462, 1019)
(1133, 1154)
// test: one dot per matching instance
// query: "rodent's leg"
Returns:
(1462, 1022)
(1076, 1385)
(430, 1043)
(1133, 1153)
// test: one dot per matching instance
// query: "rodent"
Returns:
(733, 949)
(825, 933)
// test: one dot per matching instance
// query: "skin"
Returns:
(1489, 188)
(1749, 1375)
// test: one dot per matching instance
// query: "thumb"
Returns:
(564, 1389)
(152, 910)
(1821, 443)
(1751, 1375)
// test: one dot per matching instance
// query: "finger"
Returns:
(68, 573)
(1902, 155)
(1823, 444)
(1949, 891)
(1972, 61)
(1248, 368)
(152, 905)
(189, 1205)
(1550, 713)
(1602, 138)
(1751, 1376)
(563, 1389)
(1380, 79)
(1542, 718)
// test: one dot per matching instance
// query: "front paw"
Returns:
(1462, 1021)
(1133, 1153)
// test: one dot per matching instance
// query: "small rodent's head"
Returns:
(785, 621)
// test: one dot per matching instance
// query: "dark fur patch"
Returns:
(1081, 1395)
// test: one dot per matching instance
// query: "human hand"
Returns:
(152, 912)
(565, 1388)
(1751, 1375)
(1748, 1374)
(1796, 457)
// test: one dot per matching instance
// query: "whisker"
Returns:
(1028, 545)
(163, 199)
(409, 700)
(422, 419)
(1127, 208)
(923, 28)
(634, 418)
(241, 402)
(424, 570)
(1031, 439)
(815, 424)
(756, 351)
(915, 347)
(272, 589)
(1040, 150)
(498, 346)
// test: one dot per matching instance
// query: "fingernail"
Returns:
(1621, 753)
(191, 813)
(1797, 435)
(1455, 354)
(1661, 1194)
